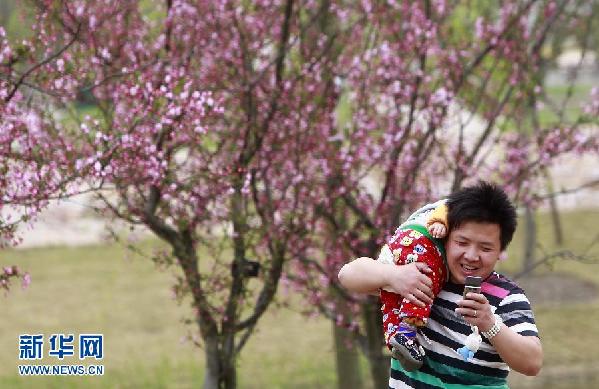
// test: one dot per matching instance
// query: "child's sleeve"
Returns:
(386, 256)
(438, 215)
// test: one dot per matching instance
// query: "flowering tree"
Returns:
(437, 94)
(202, 113)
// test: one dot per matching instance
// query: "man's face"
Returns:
(472, 250)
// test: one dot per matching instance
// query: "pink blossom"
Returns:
(26, 281)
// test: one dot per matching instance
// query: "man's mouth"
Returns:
(468, 268)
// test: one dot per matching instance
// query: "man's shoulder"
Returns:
(502, 280)
(500, 286)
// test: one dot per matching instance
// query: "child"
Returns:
(416, 240)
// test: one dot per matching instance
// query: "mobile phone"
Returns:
(472, 284)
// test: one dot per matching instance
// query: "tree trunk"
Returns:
(555, 217)
(212, 373)
(220, 371)
(530, 240)
(229, 373)
(379, 363)
(557, 223)
(347, 353)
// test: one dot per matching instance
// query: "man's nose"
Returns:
(471, 253)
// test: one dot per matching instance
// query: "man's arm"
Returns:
(365, 275)
(522, 353)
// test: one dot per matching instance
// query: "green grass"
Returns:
(95, 289)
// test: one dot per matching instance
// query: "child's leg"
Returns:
(400, 338)
(418, 248)
(391, 319)
(401, 324)
(392, 301)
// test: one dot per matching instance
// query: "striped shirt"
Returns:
(447, 331)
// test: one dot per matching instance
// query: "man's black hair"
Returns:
(483, 203)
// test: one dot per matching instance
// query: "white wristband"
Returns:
(494, 330)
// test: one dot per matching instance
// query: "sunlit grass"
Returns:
(95, 289)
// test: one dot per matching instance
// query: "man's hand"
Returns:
(437, 230)
(476, 311)
(522, 353)
(411, 282)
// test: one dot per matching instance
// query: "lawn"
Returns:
(97, 290)
(101, 289)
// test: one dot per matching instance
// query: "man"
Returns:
(482, 221)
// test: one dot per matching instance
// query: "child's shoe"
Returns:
(407, 350)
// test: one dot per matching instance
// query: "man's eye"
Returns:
(461, 242)
(487, 249)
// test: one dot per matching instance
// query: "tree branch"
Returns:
(40, 64)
